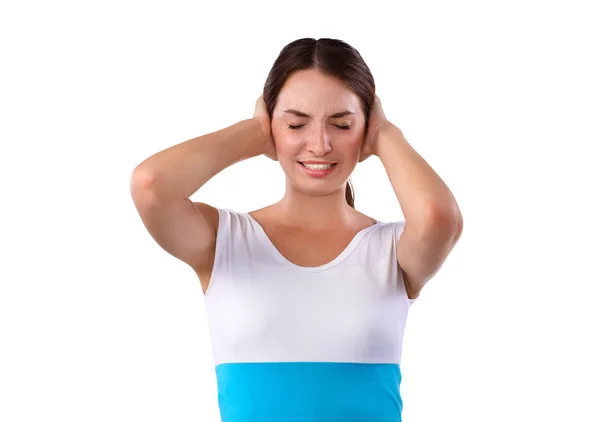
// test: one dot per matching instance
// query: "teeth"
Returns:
(318, 166)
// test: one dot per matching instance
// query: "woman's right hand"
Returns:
(262, 115)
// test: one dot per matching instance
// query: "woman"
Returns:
(306, 298)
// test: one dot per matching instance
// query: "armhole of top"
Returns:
(398, 229)
(219, 245)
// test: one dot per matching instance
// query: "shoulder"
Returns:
(226, 220)
(390, 230)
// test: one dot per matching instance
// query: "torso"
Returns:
(333, 337)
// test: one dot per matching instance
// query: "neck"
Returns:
(315, 211)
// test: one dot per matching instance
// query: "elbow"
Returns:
(445, 219)
(147, 177)
(143, 186)
(142, 178)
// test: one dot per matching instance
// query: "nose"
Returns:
(319, 144)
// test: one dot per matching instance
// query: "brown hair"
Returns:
(334, 58)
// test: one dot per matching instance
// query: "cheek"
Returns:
(286, 141)
(356, 141)
(352, 144)
(352, 147)
(354, 138)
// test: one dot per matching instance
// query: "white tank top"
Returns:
(311, 341)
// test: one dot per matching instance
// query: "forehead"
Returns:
(314, 92)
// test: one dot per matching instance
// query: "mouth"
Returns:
(317, 166)
(317, 170)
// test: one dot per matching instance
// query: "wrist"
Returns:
(385, 133)
(251, 135)
(263, 134)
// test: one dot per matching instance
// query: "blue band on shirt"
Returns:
(309, 392)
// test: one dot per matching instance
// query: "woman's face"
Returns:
(317, 119)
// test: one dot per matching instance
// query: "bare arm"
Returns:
(162, 184)
(433, 219)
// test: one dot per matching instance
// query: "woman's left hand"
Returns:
(377, 120)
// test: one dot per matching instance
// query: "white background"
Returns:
(97, 323)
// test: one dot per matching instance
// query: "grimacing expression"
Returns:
(317, 118)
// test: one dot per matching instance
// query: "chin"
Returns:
(318, 187)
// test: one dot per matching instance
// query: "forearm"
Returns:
(179, 171)
(422, 194)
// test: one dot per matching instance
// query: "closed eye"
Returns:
(296, 127)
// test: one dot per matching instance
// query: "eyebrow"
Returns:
(333, 116)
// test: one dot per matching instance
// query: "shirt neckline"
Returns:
(279, 256)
